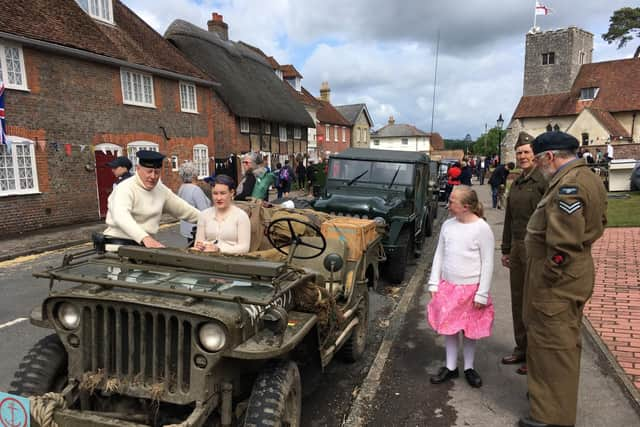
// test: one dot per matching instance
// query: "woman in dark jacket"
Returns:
(465, 174)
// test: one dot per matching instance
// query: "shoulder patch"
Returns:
(569, 208)
(568, 190)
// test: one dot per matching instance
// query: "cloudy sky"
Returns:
(383, 53)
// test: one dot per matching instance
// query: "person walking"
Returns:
(459, 283)
(498, 182)
(453, 178)
(191, 193)
(524, 195)
(482, 169)
(301, 175)
(466, 173)
(560, 276)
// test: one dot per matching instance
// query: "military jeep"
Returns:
(392, 187)
(152, 337)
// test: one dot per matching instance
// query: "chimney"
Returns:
(325, 92)
(391, 120)
(217, 25)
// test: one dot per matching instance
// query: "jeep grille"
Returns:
(145, 347)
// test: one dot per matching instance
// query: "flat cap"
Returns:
(120, 161)
(150, 159)
(554, 141)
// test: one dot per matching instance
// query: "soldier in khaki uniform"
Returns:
(525, 193)
(560, 277)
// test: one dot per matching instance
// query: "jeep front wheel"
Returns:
(356, 344)
(276, 396)
(396, 265)
(43, 369)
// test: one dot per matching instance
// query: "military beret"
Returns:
(150, 159)
(120, 161)
(554, 141)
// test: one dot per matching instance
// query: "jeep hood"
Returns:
(371, 206)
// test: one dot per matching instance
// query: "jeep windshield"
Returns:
(145, 277)
(375, 172)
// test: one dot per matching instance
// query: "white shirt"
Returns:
(464, 256)
(232, 234)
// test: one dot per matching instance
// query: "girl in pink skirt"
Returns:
(459, 283)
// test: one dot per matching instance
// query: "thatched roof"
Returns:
(248, 84)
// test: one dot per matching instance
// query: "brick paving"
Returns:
(614, 310)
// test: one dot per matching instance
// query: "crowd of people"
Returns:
(554, 211)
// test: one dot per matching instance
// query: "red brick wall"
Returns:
(71, 101)
(332, 145)
(620, 151)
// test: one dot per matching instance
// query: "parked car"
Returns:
(151, 337)
(392, 187)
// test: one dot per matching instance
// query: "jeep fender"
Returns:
(396, 226)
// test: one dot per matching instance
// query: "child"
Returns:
(459, 283)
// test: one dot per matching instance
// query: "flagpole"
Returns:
(535, 13)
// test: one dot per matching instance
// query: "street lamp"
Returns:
(499, 124)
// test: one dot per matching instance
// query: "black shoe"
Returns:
(473, 378)
(529, 422)
(444, 374)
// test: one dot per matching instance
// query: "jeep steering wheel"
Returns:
(295, 239)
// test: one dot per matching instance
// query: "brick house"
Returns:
(333, 130)
(361, 123)
(252, 109)
(597, 102)
(87, 81)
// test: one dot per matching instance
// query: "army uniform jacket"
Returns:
(524, 195)
(568, 219)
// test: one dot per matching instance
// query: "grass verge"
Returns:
(623, 211)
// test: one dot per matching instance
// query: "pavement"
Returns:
(395, 389)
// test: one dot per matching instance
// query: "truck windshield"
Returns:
(377, 172)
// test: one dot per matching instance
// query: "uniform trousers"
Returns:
(517, 269)
(553, 319)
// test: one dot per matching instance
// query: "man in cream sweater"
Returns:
(137, 204)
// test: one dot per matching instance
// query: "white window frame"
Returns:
(588, 91)
(376, 142)
(327, 131)
(244, 126)
(297, 133)
(188, 98)
(101, 10)
(135, 146)
(4, 74)
(29, 157)
(344, 134)
(404, 141)
(336, 136)
(129, 93)
(201, 160)
(175, 164)
(283, 133)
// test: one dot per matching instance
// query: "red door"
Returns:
(105, 179)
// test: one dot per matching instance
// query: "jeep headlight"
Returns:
(68, 315)
(379, 220)
(212, 336)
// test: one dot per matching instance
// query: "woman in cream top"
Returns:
(223, 228)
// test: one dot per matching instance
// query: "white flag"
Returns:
(542, 9)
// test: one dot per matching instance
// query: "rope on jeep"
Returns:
(43, 407)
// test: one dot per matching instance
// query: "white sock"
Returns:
(451, 345)
(469, 352)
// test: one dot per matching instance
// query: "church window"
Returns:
(548, 58)
(549, 128)
(556, 128)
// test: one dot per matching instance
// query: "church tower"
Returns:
(553, 59)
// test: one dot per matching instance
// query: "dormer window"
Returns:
(587, 93)
(295, 83)
(279, 74)
(98, 9)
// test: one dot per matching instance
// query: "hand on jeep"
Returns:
(150, 242)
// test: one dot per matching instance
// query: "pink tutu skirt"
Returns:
(451, 310)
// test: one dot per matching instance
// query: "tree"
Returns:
(624, 25)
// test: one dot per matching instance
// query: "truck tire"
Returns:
(43, 369)
(356, 344)
(396, 265)
(276, 398)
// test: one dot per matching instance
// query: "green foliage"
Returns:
(487, 144)
(622, 25)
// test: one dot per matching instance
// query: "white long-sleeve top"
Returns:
(135, 212)
(231, 234)
(464, 256)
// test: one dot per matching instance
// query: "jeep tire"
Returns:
(43, 369)
(276, 398)
(396, 265)
(356, 344)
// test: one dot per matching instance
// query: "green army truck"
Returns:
(394, 188)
